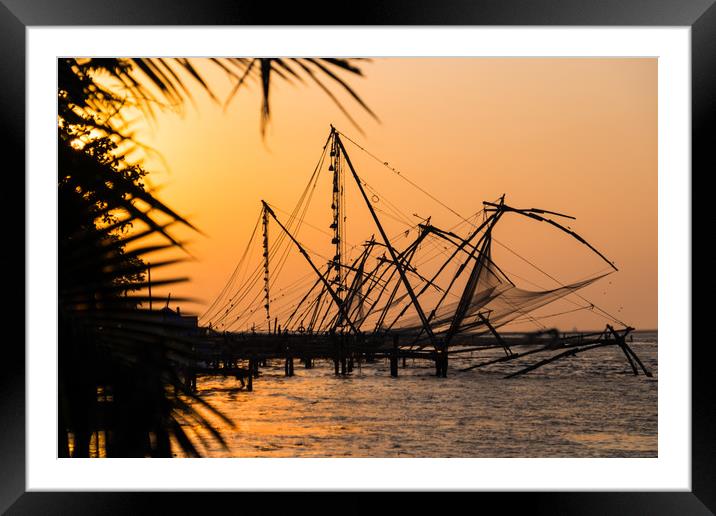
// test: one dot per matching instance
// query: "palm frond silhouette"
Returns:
(152, 84)
(123, 387)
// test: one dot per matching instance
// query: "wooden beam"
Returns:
(313, 266)
(403, 276)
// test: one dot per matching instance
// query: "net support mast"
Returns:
(267, 299)
(326, 283)
(386, 240)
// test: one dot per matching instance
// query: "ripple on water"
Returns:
(591, 406)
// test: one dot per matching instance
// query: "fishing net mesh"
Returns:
(487, 294)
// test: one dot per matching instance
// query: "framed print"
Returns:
(423, 250)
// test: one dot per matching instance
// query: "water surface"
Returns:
(585, 406)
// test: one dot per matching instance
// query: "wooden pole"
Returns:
(288, 368)
(336, 355)
(330, 290)
(533, 214)
(349, 353)
(192, 370)
(193, 380)
(629, 359)
(394, 358)
(391, 250)
(499, 338)
(627, 350)
(569, 352)
(643, 368)
(441, 363)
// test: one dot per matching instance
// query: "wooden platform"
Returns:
(241, 355)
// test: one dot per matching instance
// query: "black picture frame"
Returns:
(17, 15)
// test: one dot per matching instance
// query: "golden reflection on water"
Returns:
(97, 445)
(588, 407)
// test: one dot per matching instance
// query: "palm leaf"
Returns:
(169, 76)
(118, 360)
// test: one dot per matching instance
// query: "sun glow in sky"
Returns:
(576, 136)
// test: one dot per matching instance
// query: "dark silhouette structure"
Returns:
(354, 312)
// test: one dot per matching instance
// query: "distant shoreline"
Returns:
(655, 330)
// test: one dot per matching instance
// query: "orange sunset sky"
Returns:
(576, 136)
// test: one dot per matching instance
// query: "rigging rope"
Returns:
(297, 219)
(606, 314)
(400, 174)
(236, 269)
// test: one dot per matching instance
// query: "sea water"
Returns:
(590, 405)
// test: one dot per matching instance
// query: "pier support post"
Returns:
(394, 358)
(350, 350)
(190, 379)
(629, 359)
(342, 355)
(191, 371)
(638, 361)
(250, 375)
(336, 355)
(628, 351)
(288, 367)
(441, 363)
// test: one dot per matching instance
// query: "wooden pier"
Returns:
(387, 302)
(241, 355)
